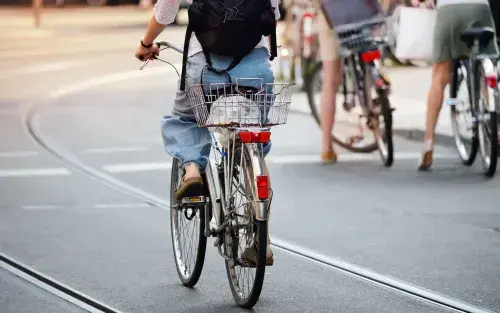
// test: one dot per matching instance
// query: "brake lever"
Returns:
(154, 57)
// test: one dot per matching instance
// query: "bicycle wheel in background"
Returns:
(488, 122)
(245, 234)
(380, 120)
(187, 226)
(464, 130)
(314, 83)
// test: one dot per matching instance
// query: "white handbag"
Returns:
(415, 33)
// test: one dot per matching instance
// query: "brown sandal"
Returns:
(191, 187)
(329, 157)
(426, 162)
(249, 256)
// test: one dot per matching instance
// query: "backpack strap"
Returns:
(273, 43)
(189, 31)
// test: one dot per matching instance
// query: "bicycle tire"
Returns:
(261, 228)
(309, 82)
(467, 157)
(190, 279)
(487, 128)
(387, 137)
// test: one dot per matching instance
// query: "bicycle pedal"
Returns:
(453, 101)
(193, 200)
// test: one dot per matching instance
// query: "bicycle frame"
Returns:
(218, 201)
(359, 65)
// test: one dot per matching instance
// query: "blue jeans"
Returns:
(182, 137)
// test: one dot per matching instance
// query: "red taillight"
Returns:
(370, 56)
(262, 187)
(491, 81)
(254, 137)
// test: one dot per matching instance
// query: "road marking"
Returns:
(114, 150)
(137, 167)
(18, 154)
(48, 67)
(39, 68)
(83, 207)
(121, 205)
(42, 207)
(350, 157)
(112, 78)
(35, 172)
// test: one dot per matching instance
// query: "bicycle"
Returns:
(477, 117)
(361, 77)
(241, 117)
(296, 58)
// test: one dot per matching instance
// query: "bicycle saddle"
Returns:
(483, 34)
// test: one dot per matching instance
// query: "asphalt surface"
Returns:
(437, 230)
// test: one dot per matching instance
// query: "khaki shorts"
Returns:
(328, 42)
(451, 21)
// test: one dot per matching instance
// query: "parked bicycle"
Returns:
(237, 184)
(364, 88)
(475, 118)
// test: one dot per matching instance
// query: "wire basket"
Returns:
(362, 36)
(231, 105)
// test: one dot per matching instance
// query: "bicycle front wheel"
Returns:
(487, 121)
(245, 239)
(188, 240)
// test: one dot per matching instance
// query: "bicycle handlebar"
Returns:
(170, 45)
(160, 44)
(167, 45)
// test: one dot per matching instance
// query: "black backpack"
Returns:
(230, 28)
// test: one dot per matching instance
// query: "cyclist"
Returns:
(453, 17)
(182, 137)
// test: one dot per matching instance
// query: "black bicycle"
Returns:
(364, 88)
(474, 102)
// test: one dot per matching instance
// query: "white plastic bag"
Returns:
(235, 109)
(415, 33)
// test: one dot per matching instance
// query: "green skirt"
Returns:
(454, 19)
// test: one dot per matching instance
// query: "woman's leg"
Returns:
(331, 82)
(332, 75)
(182, 137)
(441, 76)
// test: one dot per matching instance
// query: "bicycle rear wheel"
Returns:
(245, 234)
(188, 240)
(314, 84)
(487, 121)
(464, 130)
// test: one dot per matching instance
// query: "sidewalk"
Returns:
(17, 23)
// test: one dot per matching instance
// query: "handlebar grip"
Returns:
(170, 45)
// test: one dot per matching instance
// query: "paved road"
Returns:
(438, 230)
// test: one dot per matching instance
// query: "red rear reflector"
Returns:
(262, 187)
(491, 81)
(254, 137)
(370, 56)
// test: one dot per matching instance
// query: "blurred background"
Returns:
(81, 148)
